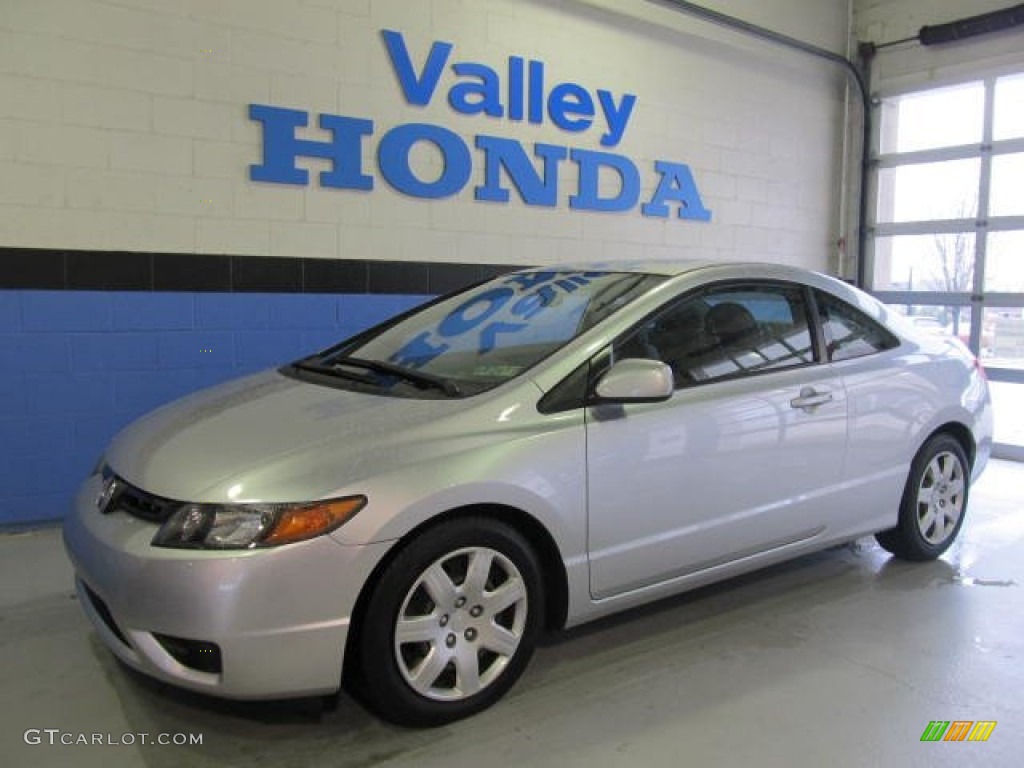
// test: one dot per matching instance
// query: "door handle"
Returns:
(810, 398)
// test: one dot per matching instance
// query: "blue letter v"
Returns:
(417, 90)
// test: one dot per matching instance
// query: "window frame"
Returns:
(576, 389)
(811, 318)
(982, 225)
(826, 341)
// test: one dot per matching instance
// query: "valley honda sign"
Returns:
(520, 93)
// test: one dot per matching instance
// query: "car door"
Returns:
(739, 461)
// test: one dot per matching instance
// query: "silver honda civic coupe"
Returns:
(407, 511)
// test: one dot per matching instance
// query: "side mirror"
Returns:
(636, 380)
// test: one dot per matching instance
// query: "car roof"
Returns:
(681, 269)
(650, 267)
(677, 267)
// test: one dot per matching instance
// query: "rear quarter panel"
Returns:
(897, 400)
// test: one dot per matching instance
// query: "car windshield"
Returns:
(480, 338)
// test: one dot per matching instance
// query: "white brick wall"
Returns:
(151, 152)
(235, 236)
(303, 239)
(29, 98)
(24, 184)
(123, 125)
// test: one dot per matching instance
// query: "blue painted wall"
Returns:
(76, 366)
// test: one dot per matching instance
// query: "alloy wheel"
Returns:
(940, 497)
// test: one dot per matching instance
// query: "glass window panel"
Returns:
(1004, 262)
(1007, 190)
(1008, 406)
(941, 117)
(938, 262)
(486, 336)
(929, 191)
(1003, 337)
(849, 332)
(1009, 108)
(732, 331)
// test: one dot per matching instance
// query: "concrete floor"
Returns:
(838, 659)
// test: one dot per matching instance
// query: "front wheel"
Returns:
(451, 623)
(934, 502)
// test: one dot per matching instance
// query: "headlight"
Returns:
(246, 526)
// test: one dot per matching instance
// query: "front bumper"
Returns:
(280, 617)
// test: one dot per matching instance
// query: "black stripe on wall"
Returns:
(73, 270)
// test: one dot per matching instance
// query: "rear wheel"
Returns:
(451, 623)
(934, 502)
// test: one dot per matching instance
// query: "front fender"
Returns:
(541, 474)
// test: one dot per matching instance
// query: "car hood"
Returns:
(268, 437)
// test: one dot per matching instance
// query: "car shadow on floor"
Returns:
(725, 601)
(763, 609)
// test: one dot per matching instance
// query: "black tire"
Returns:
(462, 650)
(934, 502)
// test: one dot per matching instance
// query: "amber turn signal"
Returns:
(301, 523)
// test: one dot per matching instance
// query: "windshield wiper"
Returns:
(420, 378)
(330, 370)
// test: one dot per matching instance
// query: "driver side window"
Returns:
(725, 332)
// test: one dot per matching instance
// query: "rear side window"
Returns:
(849, 332)
(726, 331)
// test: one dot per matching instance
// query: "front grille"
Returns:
(104, 613)
(136, 502)
(145, 506)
